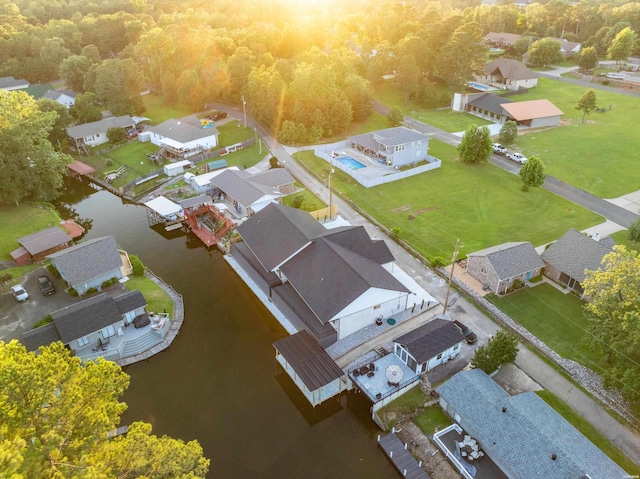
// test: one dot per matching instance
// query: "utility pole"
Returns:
(244, 110)
(453, 265)
(330, 194)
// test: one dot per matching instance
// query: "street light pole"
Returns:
(330, 195)
(453, 265)
(244, 110)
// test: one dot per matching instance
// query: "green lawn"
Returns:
(14, 226)
(450, 121)
(311, 201)
(431, 420)
(590, 432)
(482, 205)
(406, 404)
(599, 156)
(621, 238)
(158, 111)
(555, 318)
(132, 155)
(231, 133)
(157, 300)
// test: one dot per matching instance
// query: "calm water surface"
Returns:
(219, 383)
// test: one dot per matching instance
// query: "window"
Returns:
(456, 347)
(108, 332)
(83, 341)
(399, 147)
(483, 271)
(439, 356)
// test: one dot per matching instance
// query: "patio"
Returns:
(377, 379)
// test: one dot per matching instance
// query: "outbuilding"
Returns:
(177, 168)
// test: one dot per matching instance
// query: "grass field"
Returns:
(589, 432)
(555, 318)
(431, 420)
(621, 238)
(231, 133)
(158, 111)
(157, 300)
(599, 156)
(14, 226)
(311, 201)
(482, 205)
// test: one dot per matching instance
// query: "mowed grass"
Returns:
(599, 156)
(231, 133)
(432, 420)
(622, 238)
(590, 432)
(482, 205)
(132, 155)
(311, 201)
(158, 111)
(555, 318)
(15, 225)
(157, 300)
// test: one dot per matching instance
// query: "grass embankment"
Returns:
(406, 405)
(555, 318)
(15, 225)
(482, 205)
(589, 431)
(157, 300)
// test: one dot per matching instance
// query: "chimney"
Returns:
(596, 236)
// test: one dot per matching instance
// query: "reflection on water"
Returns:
(219, 382)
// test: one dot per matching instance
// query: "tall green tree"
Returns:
(118, 85)
(588, 58)
(395, 116)
(502, 348)
(73, 70)
(86, 108)
(544, 52)
(634, 231)
(58, 132)
(532, 173)
(587, 103)
(622, 45)
(462, 56)
(508, 132)
(56, 413)
(30, 168)
(408, 76)
(476, 145)
(613, 314)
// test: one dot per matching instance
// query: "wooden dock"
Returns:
(174, 327)
(401, 458)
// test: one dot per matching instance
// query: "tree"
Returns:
(118, 85)
(544, 52)
(502, 348)
(360, 95)
(622, 45)
(29, 166)
(73, 70)
(613, 315)
(588, 58)
(58, 132)
(408, 76)
(395, 116)
(116, 134)
(137, 265)
(86, 108)
(56, 413)
(463, 56)
(587, 103)
(476, 145)
(508, 132)
(634, 231)
(532, 173)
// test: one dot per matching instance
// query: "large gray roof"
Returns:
(183, 130)
(87, 260)
(489, 102)
(400, 135)
(309, 360)
(11, 82)
(44, 239)
(247, 188)
(430, 339)
(41, 336)
(100, 126)
(522, 432)
(511, 259)
(508, 68)
(277, 232)
(575, 252)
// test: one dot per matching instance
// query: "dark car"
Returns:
(469, 336)
(219, 116)
(46, 287)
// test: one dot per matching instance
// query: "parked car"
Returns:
(219, 116)
(19, 293)
(517, 157)
(469, 336)
(46, 287)
(499, 149)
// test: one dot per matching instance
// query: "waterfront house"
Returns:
(183, 138)
(497, 268)
(397, 146)
(36, 246)
(95, 133)
(567, 259)
(102, 326)
(521, 435)
(508, 74)
(248, 193)
(429, 345)
(330, 282)
(89, 264)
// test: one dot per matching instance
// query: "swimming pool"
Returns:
(351, 162)
(479, 86)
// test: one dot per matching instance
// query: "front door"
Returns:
(528, 275)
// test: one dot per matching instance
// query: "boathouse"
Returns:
(163, 211)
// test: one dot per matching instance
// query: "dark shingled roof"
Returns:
(129, 301)
(489, 102)
(508, 68)
(400, 135)
(87, 260)
(247, 188)
(277, 232)
(45, 239)
(42, 336)
(575, 252)
(183, 130)
(524, 437)
(311, 363)
(431, 339)
(511, 259)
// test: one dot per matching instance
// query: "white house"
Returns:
(202, 183)
(183, 138)
(10, 83)
(397, 146)
(95, 133)
(430, 345)
(508, 74)
(66, 98)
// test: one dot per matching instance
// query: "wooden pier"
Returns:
(174, 327)
(401, 458)
(208, 224)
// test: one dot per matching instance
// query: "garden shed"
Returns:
(177, 168)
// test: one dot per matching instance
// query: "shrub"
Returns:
(92, 290)
(46, 320)
(273, 162)
(138, 267)
(109, 282)
(54, 271)
(437, 262)
(518, 283)
(73, 292)
(298, 201)
(395, 231)
(5, 277)
(109, 162)
(500, 349)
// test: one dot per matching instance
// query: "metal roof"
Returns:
(311, 363)
(44, 240)
(511, 259)
(163, 206)
(81, 168)
(431, 339)
(527, 110)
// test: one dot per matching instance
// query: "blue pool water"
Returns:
(351, 162)
(479, 86)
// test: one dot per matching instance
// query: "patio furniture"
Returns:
(356, 373)
(370, 374)
(372, 367)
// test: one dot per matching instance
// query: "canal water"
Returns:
(219, 382)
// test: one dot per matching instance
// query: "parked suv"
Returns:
(499, 149)
(517, 157)
(19, 293)
(46, 287)
(469, 336)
